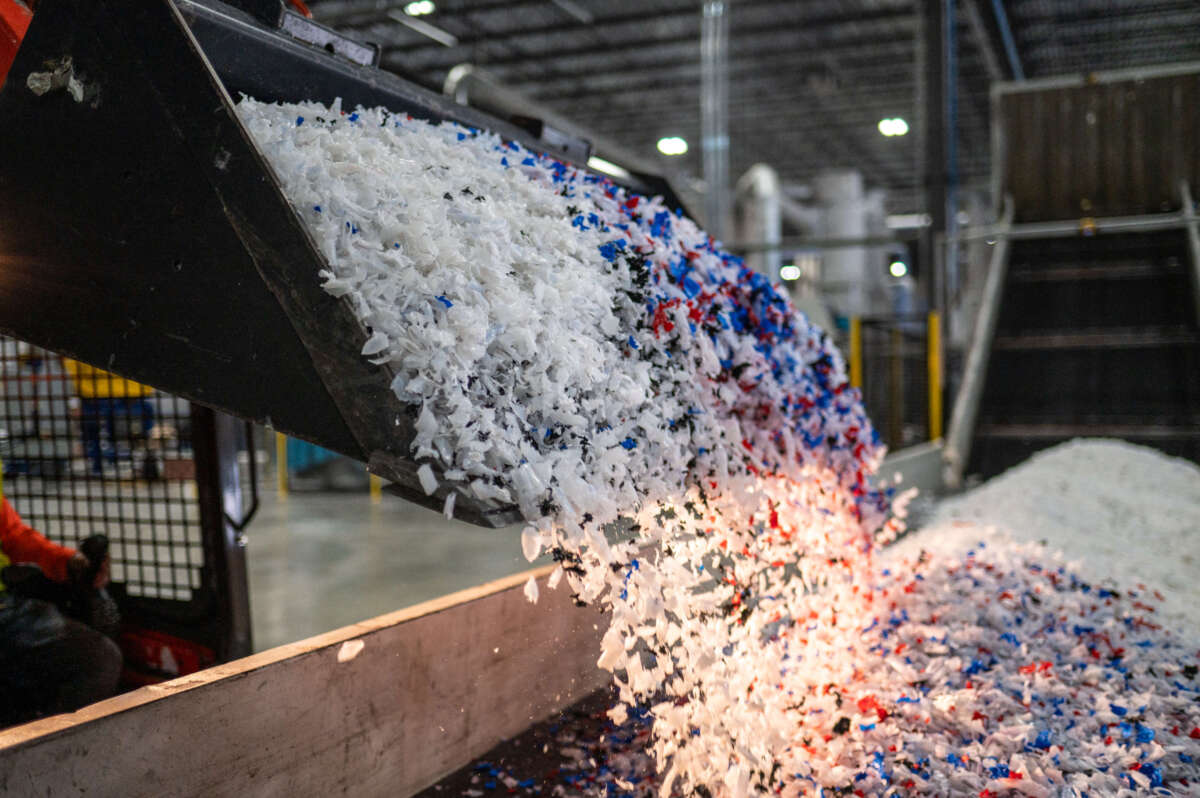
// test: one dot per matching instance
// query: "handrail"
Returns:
(1193, 235)
(970, 394)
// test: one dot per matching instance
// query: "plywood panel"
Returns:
(431, 688)
(1103, 149)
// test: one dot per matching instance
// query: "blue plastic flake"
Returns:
(866, 726)
(354, 117)
(504, 161)
(1144, 734)
(462, 136)
(317, 208)
(629, 443)
(610, 249)
(299, 121)
(633, 344)
(1043, 740)
(1118, 709)
(528, 162)
(445, 301)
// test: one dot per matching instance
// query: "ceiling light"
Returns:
(790, 272)
(608, 167)
(420, 8)
(893, 126)
(672, 145)
(898, 268)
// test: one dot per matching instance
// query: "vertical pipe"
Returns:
(714, 113)
(856, 352)
(931, 105)
(376, 487)
(950, 50)
(934, 365)
(281, 466)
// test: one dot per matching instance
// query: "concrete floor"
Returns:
(318, 561)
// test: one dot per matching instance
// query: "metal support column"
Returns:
(950, 78)
(931, 104)
(216, 440)
(714, 114)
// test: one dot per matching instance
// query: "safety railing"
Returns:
(897, 363)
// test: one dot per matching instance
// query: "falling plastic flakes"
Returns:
(589, 356)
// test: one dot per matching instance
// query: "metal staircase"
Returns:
(1096, 337)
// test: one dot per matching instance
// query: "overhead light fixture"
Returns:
(672, 145)
(608, 167)
(790, 272)
(893, 126)
(420, 8)
(424, 28)
(898, 268)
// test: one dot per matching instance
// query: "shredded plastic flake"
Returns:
(596, 359)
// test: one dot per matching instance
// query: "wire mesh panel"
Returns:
(88, 452)
(896, 378)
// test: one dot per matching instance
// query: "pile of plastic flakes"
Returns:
(1115, 508)
(589, 355)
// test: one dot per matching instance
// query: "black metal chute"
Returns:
(142, 231)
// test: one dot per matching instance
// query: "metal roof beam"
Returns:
(812, 32)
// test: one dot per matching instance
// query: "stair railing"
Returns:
(1192, 225)
(966, 404)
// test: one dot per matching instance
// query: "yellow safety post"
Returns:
(855, 352)
(376, 485)
(934, 362)
(281, 468)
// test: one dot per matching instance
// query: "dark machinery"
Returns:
(143, 232)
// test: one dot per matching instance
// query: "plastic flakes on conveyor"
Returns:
(590, 356)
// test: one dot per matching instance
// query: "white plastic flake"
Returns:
(590, 356)
(429, 482)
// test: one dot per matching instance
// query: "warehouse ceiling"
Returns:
(809, 79)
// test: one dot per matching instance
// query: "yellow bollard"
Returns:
(376, 485)
(934, 362)
(855, 352)
(281, 468)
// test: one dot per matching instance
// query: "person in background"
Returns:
(104, 396)
(48, 662)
